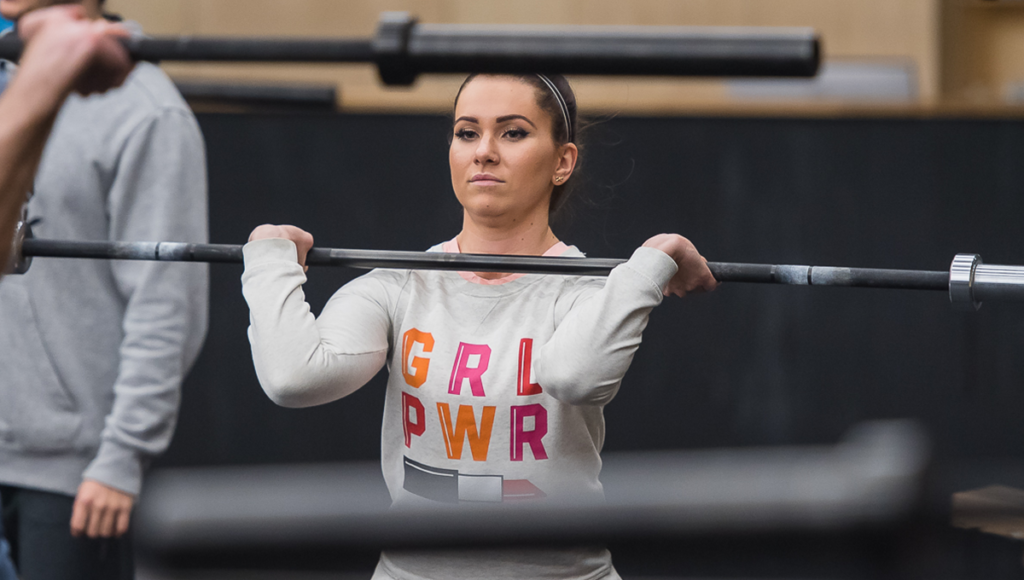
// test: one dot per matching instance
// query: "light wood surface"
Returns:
(982, 51)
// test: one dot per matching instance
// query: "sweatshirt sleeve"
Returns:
(593, 345)
(158, 192)
(301, 360)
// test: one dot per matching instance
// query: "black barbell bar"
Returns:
(968, 281)
(403, 48)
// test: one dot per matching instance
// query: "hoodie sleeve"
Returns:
(158, 192)
(301, 360)
(600, 329)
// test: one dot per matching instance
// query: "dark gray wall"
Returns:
(747, 365)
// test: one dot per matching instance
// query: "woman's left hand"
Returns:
(693, 275)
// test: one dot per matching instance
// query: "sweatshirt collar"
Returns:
(452, 247)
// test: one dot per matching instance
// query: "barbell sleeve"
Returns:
(403, 48)
(971, 282)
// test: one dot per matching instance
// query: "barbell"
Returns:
(404, 48)
(968, 281)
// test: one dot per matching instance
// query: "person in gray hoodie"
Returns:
(92, 353)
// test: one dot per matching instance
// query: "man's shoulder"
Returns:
(110, 118)
(149, 89)
(148, 86)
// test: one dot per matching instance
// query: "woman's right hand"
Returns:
(303, 240)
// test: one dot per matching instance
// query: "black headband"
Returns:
(569, 132)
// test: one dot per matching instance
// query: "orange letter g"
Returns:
(420, 364)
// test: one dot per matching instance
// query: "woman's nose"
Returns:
(485, 151)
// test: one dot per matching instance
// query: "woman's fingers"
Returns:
(710, 283)
(704, 280)
(693, 275)
(302, 239)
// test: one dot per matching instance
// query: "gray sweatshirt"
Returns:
(496, 388)
(93, 352)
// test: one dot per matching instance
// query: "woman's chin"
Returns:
(490, 213)
(486, 204)
(498, 208)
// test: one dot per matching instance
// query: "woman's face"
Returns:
(503, 158)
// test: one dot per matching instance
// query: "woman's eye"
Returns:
(465, 134)
(515, 133)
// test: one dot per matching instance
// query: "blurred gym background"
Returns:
(904, 151)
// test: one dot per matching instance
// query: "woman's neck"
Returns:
(527, 238)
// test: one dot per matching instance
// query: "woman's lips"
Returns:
(485, 179)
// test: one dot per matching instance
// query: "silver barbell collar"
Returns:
(961, 281)
(971, 282)
(18, 262)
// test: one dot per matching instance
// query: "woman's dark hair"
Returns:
(548, 102)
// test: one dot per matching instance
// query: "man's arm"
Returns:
(63, 52)
(158, 191)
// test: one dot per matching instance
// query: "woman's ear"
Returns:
(567, 155)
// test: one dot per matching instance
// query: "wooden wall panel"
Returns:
(981, 54)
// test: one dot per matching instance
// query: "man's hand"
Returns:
(303, 240)
(100, 511)
(67, 51)
(693, 275)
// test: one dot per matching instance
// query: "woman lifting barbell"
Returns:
(497, 381)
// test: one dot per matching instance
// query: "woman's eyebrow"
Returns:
(510, 117)
(502, 119)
